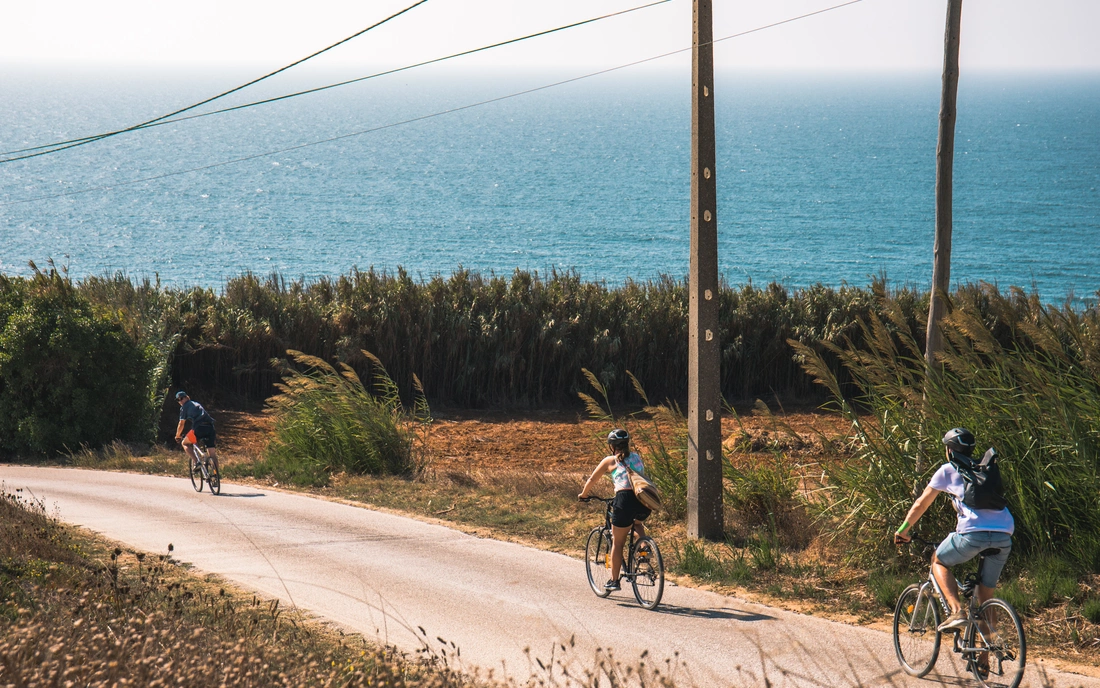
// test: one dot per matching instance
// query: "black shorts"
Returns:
(627, 509)
(205, 436)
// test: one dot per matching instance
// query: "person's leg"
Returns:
(948, 585)
(618, 539)
(189, 449)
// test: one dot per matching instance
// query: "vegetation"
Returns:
(478, 340)
(69, 376)
(1022, 376)
(327, 421)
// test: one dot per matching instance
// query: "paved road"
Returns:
(501, 603)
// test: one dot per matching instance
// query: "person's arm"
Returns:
(915, 512)
(179, 429)
(605, 467)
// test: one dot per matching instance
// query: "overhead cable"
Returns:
(72, 143)
(162, 120)
(421, 118)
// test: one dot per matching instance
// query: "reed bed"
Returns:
(1023, 376)
(477, 340)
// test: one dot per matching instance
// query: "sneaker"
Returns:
(612, 584)
(954, 623)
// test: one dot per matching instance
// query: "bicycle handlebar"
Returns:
(595, 498)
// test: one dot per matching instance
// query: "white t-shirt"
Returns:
(620, 477)
(948, 479)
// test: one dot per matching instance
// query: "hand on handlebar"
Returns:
(900, 539)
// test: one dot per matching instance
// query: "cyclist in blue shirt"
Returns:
(202, 427)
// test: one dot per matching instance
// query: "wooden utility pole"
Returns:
(945, 160)
(704, 497)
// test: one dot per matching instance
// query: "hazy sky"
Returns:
(873, 34)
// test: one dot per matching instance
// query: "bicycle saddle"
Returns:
(989, 552)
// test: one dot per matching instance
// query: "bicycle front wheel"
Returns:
(215, 478)
(597, 560)
(1001, 651)
(196, 474)
(916, 642)
(648, 568)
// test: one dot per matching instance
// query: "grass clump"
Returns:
(327, 421)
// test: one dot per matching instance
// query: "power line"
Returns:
(72, 143)
(421, 118)
(162, 120)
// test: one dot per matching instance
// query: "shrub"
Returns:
(67, 376)
(327, 421)
(1091, 610)
(886, 586)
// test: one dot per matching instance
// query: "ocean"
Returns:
(821, 178)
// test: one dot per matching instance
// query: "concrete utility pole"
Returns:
(704, 495)
(945, 161)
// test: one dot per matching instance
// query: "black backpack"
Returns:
(984, 489)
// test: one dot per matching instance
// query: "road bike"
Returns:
(204, 469)
(643, 567)
(992, 644)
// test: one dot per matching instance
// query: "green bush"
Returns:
(886, 586)
(327, 421)
(68, 377)
(695, 561)
(1091, 610)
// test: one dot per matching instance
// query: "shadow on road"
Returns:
(676, 610)
(243, 495)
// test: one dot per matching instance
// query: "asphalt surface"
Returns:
(504, 606)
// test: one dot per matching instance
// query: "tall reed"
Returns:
(1023, 376)
(328, 421)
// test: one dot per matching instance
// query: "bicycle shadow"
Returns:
(717, 614)
(242, 495)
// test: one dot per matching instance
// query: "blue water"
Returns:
(821, 179)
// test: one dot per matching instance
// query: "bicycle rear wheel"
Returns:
(215, 476)
(916, 642)
(648, 568)
(1000, 635)
(196, 474)
(597, 560)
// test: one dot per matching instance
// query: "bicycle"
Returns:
(644, 567)
(917, 642)
(204, 469)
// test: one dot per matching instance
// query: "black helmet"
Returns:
(618, 438)
(960, 440)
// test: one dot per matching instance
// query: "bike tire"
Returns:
(648, 569)
(916, 641)
(215, 476)
(196, 474)
(1007, 651)
(597, 560)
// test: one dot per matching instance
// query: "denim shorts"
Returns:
(959, 547)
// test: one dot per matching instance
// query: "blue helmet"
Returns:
(180, 395)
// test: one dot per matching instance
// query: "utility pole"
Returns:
(945, 162)
(704, 495)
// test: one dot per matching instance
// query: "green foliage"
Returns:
(886, 586)
(1022, 376)
(1091, 610)
(694, 560)
(327, 421)
(517, 340)
(68, 376)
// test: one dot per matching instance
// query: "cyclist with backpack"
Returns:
(627, 512)
(983, 520)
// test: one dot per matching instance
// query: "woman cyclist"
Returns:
(627, 511)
